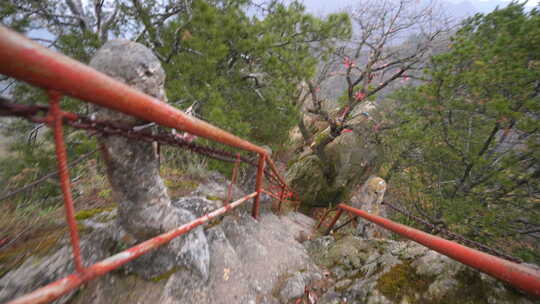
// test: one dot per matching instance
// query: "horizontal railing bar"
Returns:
(33, 63)
(271, 194)
(522, 277)
(56, 289)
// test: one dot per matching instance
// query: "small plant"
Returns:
(105, 194)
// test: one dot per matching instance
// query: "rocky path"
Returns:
(276, 259)
(251, 261)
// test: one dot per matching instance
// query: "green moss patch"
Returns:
(471, 289)
(213, 198)
(402, 281)
(165, 275)
(105, 194)
(89, 213)
(179, 187)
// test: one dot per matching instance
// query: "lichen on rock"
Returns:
(350, 159)
(387, 271)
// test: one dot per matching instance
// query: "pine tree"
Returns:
(468, 149)
(242, 72)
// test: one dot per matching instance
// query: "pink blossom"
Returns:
(405, 79)
(358, 96)
(348, 63)
(346, 131)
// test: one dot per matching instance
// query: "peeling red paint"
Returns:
(55, 121)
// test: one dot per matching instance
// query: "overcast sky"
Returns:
(459, 7)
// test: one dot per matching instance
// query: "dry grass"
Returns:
(27, 228)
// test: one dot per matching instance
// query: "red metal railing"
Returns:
(517, 275)
(30, 62)
(58, 74)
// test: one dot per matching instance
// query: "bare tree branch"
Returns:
(77, 10)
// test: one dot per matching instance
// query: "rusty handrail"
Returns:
(28, 61)
(31, 62)
(56, 289)
(524, 278)
(37, 65)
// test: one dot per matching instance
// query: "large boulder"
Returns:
(351, 158)
(306, 176)
(145, 209)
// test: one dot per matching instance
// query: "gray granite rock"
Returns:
(294, 288)
(402, 272)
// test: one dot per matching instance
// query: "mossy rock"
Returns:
(105, 194)
(320, 136)
(473, 288)
(213, 198)
(348, 252)
(467, 286)
(402, 282)
(379, 271)
(307, 178)
(351, 156)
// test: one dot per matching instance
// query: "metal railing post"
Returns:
(258, 185)
(328, 210)
(55, 118)
(233, 180)
(334, 221)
